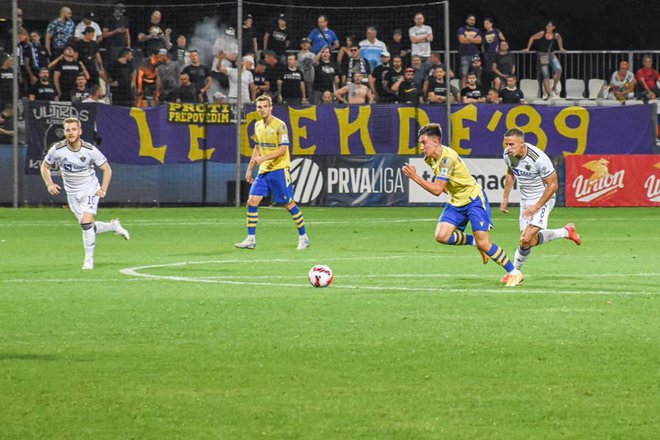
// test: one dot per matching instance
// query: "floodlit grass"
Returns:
(176, 334)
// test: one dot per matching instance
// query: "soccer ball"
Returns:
(320, 276)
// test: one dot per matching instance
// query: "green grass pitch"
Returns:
(176, 334)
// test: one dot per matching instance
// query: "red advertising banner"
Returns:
(613, 180)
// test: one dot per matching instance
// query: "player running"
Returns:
(537, 180)
(467, 201)
(272, 155)
(76, 160)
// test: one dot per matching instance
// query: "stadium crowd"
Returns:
(99, 60)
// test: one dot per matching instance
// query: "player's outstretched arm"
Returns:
(107, 177)
(53, 188)
(436, 188)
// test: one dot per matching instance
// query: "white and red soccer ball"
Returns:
(320, 276)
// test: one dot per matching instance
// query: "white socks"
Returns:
(546, 235)
(102, 227)
(520, 257)
(89, 242)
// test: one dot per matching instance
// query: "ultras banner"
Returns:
(190, 133)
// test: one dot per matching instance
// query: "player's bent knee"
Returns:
(443, 238)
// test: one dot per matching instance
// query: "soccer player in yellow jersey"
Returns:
(467, 201)
(271, 153)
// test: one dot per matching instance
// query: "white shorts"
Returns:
(79, 203)
(540, 219)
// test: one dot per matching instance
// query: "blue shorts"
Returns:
(477, 212)
(278, 183)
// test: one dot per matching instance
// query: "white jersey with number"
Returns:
(530, 172)
(77, 167)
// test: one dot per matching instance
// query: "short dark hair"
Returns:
(515, 131)
(431, 129)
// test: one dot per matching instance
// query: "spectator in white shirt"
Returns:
(421, 36)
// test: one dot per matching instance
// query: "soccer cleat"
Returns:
(484, 256)
(303, 243)
(248, 243)
(514, 280)
(505, 278)
(572, 234)
(119, 229)
(88, 264)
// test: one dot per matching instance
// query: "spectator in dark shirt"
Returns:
(357, 64)
(180, 53)
(67, 69)
(278, 40)
(393, 74)
(250, 44)
(471, 93)
(40, 56)
(511, 94)
(6, 80)
(44, 89)
(116, 34)
(470, 39)
(397, 46)
(122, 77)
(491, 41)
(88, 54)
(168, 76)
(437, 88)
(273, 73)
(503, 65)
(261, 84)
(291, 86)
(81, 91)
(199, 74)
(493, 96)
(27, 75)
(406, 88)
(378, 77)
(188, 91)
(155, 38)
(326, 75)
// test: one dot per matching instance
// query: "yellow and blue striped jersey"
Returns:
(270, 137)
(461, 186)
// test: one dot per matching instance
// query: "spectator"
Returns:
(357, 92)
(278, 40)
(250, 45)
(121, 74)
(198, 74)
(59, 33)
(328, 97)
(480, 72)
(323, 36)
(88, 53)
(248, 88)
(491, 42)
(290, 86)
(116, 34)
(357, 64)
(95, 96)
(647, 78)
(470, 39)
(393, 74)
(44, 89)
(622, 84)
(81, 91)
(306, 63)
(471, 93)
(421, 37)
(548, 41)
(407, 90)
(66, 70)
(503, 65)
(88, 21)
(274, 72)
(326, 74)
(511, 94)
(437, 88)
(26, 75)
(420, 71)
(155, 38)
(168, 76)
(372, 47)
(7, 125)
(40, 56)
(6, 81)
(344, 55)
(261, 83)
(147, 82)
(493, 96)
(188, 91)
(378, 77)
(397, 46)
(436, 62)
(180, 53)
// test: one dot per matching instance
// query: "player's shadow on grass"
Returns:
(37, 357)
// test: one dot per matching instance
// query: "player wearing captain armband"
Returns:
(467, 201)
(537, 181)
(271, 154)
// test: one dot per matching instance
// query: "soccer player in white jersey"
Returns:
(537, 181)
(77, 160)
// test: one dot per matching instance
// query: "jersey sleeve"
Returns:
(282, 136)
(445, 168)
(544, 167)
(98, 157)
(50, 156)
